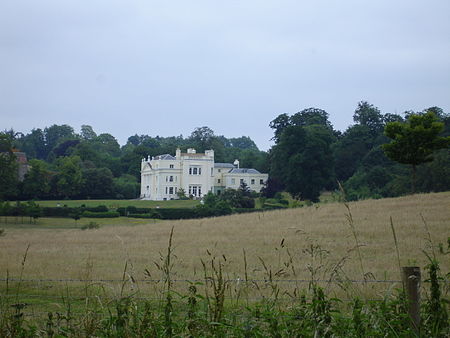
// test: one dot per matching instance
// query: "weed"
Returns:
(90, 225)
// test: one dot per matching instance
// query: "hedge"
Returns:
(107, 214)
(150, 215)
(126, 211)
(100, 208)
(245, 210)
(274, 206)
(178, 213)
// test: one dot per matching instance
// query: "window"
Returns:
(218, 170)
(195, 190)
(171, 166)
(253, 181)
(212, 171)
(166, 190)
(218, 180)
(261, 181)
(170, 190)
(241, 181)
(233, 181)
(195, 170)
(170, 178)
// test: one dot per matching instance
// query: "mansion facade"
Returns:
(163, 176)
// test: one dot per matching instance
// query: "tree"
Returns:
(279, 124)
(302, 160)
(54, 134)
(239, 198)
(368, 115)
(271, 187)
(106, 143)
(69, 180)
(350, 149)
(311, 116)
(243, 142)
(414, 141)
(36, 182)
(182, 194)
(87, 132)
(33, 144)
(97, 183)
(201, 137)
(126, 186)
(8, 168)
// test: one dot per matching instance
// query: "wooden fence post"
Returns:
(411, 282)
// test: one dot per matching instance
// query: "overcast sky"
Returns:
(166, 67)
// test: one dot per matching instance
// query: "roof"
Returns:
(223, 165)
(243, 171)
(165, 157)
(193, 154)
(21, 157)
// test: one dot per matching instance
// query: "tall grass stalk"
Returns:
(351, 223)
(167, 269)
(396, 247)
(22, 269)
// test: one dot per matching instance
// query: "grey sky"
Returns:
(166, 67)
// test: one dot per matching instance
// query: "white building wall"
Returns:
(185, 169)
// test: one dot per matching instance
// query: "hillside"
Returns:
(316, 236)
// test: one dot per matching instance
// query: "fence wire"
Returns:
(202, 280)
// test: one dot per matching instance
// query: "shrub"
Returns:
(122, 211)
(131, 209)
(90, 225)
(58, 211)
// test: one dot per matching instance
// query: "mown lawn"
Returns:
(19, 222)
(113, 204)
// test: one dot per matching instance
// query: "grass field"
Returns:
(115, 278)
(112, 204)
(316, 235)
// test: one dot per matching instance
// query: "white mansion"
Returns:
(196, 173)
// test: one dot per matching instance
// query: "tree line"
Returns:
(69, 165)
(380, 155)
(371, 158)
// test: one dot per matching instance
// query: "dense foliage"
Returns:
(66, 165)
(308, 157)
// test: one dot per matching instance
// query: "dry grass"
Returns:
(65, 253)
